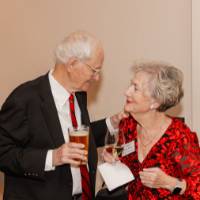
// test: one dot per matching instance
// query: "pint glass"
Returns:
(80, 135)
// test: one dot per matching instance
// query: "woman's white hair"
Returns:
(165, 83)
(78, 44)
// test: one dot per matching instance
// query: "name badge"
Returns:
(128, 148)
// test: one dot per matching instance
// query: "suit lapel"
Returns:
(82, 101)
(92, 154)
(50, 112)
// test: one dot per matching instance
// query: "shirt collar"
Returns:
(60, 94)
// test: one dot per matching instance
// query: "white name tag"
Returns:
(128, 148)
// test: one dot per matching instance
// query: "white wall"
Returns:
(196, 65)
(129, 30)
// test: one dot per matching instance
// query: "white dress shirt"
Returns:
(61, 99)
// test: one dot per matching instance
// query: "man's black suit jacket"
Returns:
(29, 127)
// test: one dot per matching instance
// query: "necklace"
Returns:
(157, 130)
(148, 141)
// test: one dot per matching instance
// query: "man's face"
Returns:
(85, 72)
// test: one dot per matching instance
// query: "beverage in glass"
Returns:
(80, 135)
(112, 144)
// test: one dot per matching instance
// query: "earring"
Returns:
(151, 106)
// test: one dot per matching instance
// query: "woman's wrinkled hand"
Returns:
(156, 178)
(108, 157)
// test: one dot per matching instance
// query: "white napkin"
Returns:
(115, 175)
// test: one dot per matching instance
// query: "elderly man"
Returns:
(37, 158)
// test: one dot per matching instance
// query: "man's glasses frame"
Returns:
(93, 69)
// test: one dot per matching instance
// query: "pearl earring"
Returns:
(152, 107)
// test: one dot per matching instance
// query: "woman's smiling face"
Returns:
(138, 96)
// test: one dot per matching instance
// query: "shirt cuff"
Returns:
(49, 161)
(110, 127)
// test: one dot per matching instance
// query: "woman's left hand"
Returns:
(156, 178)
(108, 157)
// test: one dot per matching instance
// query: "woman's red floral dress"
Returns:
(177, 153)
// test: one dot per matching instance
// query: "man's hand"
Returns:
(115, 119)
(69, 153)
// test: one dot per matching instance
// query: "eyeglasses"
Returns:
(93, 69)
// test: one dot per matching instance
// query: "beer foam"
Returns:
(79, 133)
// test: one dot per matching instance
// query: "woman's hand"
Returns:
(108, 157)
(156, 178)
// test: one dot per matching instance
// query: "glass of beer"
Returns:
(80, 135)
(113, 145)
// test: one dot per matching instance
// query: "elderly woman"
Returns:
(165, 157)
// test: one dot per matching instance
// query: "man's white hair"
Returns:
(78, 44)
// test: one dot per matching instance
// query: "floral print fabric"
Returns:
(177, 153)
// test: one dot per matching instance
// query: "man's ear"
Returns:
(71, 61)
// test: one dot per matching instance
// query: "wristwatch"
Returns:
(178, 187)
(177, 190)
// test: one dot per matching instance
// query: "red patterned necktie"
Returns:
(85, 180)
